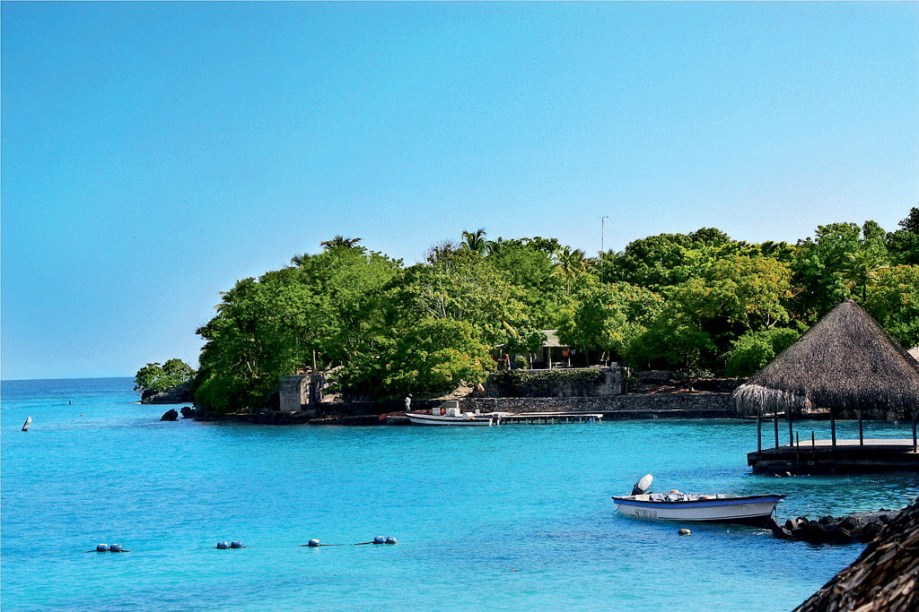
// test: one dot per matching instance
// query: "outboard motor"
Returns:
(643, 485)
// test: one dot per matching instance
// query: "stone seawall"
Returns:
(637, 406)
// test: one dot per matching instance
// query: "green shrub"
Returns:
(754, 350)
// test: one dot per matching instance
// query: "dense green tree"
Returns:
(652, 262)
(433, 355)
(608, 317)
(529, 267)
(837, 264)
(893, 299)
(464, 286)
(754, 350)
(323, 309)
(903, 244)
(702, 316)
(158, 378)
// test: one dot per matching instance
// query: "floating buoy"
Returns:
(685, 532)
(116, 548)
(313, 543)
(223, 545)
(236, 544)
(27, 424)
(391, 540)
(379, 540)
(102, 548)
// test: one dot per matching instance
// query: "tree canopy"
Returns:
(700, 302)
(157, 378)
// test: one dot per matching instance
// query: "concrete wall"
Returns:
(559, 383)
(294, 392)
(682, 405)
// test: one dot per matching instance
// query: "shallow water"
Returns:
(514, 517)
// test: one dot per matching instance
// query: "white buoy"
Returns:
(27, 424)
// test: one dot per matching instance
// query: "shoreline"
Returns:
(696, 406)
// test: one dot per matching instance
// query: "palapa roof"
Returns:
(845, 362)
(884, 577)
(552, 340)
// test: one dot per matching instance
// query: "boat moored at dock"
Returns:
(452, 417)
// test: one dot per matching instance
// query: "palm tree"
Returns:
(569, 264)
(474, 241)
(339, 242)
(860, 269)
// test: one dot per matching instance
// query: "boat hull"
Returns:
(754, 509)
(441, 420)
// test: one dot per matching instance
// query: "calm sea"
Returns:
(514, 517)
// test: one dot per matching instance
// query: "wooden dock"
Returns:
(848, 456)
(548, 418)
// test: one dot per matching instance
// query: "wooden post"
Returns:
(775, 422)
(833, 428)
(759, 430)
(791, 434)
(861, 430)
(914, 431)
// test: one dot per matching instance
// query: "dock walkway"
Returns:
(548, 418)
(820, 457)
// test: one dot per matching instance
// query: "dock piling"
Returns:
(775, 422)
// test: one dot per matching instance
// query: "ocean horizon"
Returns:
(505, 517)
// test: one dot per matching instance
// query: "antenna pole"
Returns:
(602, 227)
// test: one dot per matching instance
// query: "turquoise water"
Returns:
(515, 517)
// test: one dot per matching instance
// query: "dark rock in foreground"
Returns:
(884, 577)
(170, 415)
(177, 395)
(188, 412)
(858, 527)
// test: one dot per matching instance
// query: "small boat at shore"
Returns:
(452, 417)
(697, 507)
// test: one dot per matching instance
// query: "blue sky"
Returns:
(154, 153)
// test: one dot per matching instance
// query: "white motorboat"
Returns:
(678, 506)
(452, 417)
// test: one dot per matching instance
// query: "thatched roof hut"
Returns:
(884, 577)
(846, 362)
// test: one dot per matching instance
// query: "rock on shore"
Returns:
(177, 395)
(858, 527)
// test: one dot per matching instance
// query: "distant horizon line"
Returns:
(6, 380)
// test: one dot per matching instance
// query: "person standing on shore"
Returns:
(408, 402)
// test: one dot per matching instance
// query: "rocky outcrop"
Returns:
(858, 527)
(170, 415)
(884, 577)
(188, 412)
(177, 395)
